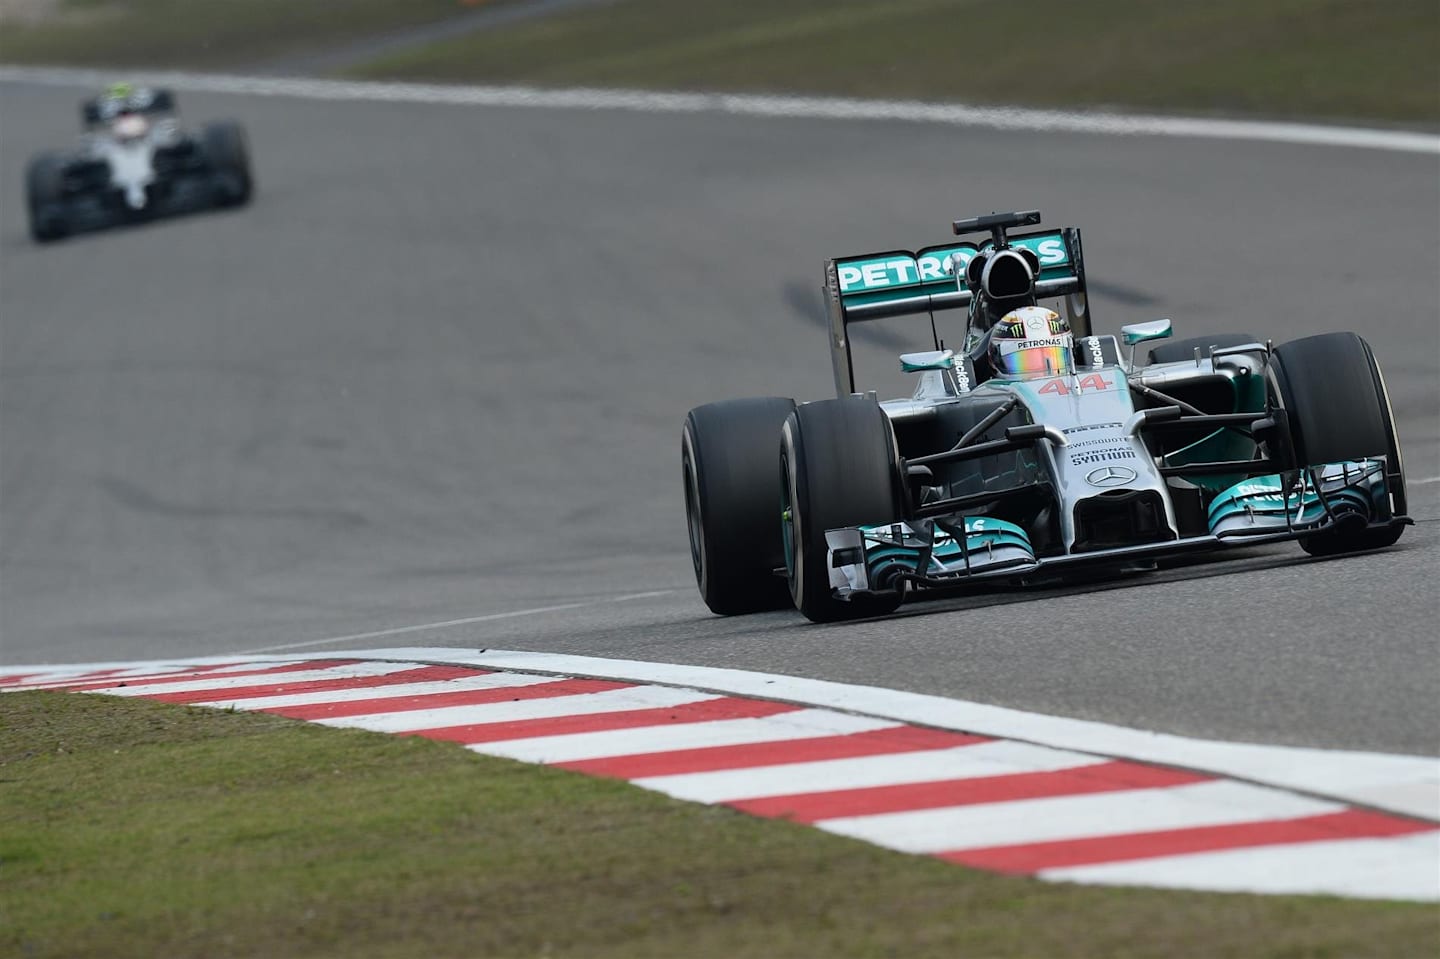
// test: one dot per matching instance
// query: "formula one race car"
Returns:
(1037, 451)
(135, 162)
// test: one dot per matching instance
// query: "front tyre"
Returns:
(839, 466)
(1338, 409)
(229, 159)
(45, 198)
(732, 503)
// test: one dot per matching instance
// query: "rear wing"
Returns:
(873, 286)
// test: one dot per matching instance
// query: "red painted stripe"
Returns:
(1349, 824)
(47, 680)
(908, 797)
(13, 679)
(420, 674)
(471, 697)
(194, 674)
(896, 739)
(707, 711)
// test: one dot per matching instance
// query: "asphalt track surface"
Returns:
(436, 374)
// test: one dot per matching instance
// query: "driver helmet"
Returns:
(116, 100)
(1032, 341)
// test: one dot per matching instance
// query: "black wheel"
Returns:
(840, 468)
(162, 100)
(732, 503)
(45, 198)
(1337, 407)
(1185, 349)
(229, 159)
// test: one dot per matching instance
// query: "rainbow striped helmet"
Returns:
(1032, 341)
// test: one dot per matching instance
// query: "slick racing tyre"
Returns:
(45, 198)
(732, 503)
(1338, 410)
(840, 468)
(1185, 349)
(224, 145)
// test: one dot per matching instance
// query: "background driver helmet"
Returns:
(1032, 341)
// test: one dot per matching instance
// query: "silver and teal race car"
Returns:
(1038, 450)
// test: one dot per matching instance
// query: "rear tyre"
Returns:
(732, 503)
(840, 468)
(229, 160)
(1185, 349)
(1338, 409)
(45, 198)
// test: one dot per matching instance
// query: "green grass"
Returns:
(130, 828)
(1340, 59)
(207, 34)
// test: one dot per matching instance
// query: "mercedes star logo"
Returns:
(1110, 476)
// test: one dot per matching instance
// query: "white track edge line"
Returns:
(1404, 784)
(794, 107)
(469, 620)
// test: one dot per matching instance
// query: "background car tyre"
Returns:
(1338, 409)
(1185, 349)
(45, 198)
(229, 158)
(840, 468)
(732, 503)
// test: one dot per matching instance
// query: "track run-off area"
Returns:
(428, 389)
(947, 784)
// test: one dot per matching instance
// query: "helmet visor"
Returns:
(1029, 358)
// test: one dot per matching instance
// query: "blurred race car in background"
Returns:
(1038, 451)
(135, 162)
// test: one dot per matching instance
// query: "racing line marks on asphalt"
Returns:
(468, 621)
(793, 107)
(976, 799)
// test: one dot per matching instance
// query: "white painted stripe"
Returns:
(585, 704)
(278, 680)
(1076, 817)
(1399, 783)
(1406, 784)
(487, 681)
(60, 670)
(959, 762)
(1397, 867)
(54, 679)
(801, 724)
(796, 107)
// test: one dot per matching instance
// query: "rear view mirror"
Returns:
(1140, 332)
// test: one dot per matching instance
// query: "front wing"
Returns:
(951, 552)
